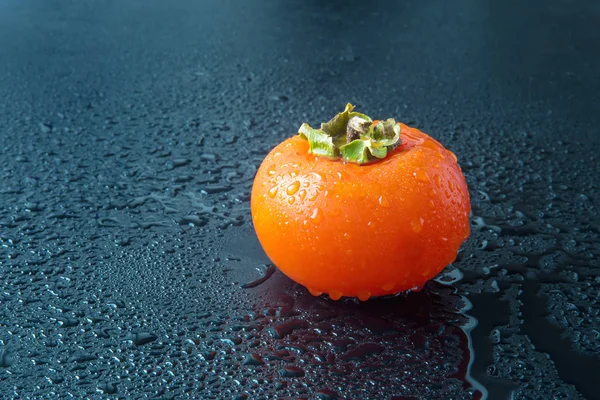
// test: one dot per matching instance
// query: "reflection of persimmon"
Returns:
(359, 208)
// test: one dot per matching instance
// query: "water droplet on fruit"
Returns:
(417, 140)
(453, 156)
(383, 201)
(364, 296)
(335, 294)
(388, 286)
(302, 194)
(417, 224)
(273, 191)
(421, 175)
(293, 188)
(291, 200)
(316, 215)
(436, 179)
(315, 292)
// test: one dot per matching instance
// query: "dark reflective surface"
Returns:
(129, 136)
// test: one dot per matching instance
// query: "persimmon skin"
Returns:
(361, 230)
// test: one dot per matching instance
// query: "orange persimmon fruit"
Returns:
(360, 208)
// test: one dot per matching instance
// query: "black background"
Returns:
(130, 132)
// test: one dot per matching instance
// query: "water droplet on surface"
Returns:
(313, 196)
(364, 295)
(314, 292)
(363, 351)
(253, 359)
(335, 294)
(267, 273)
(45, 127)
(421, 175)
(416, 224)
(437, 180)
(282, 330)
(83, 357)
(273, 191)
(449, 277)
(453, 156)
(108, 388)
(327, 394)
(280, 98)
(316, 216)
(293, 188)
(142, 338)
(383, 201)
(291, 372)
(6, 359)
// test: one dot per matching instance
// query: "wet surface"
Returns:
(130, 133)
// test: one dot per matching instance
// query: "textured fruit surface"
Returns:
(361, 230)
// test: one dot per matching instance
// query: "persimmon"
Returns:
(360, 208)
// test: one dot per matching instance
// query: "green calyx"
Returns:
(352, 137)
